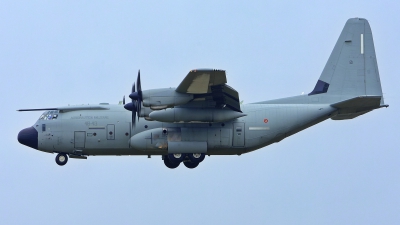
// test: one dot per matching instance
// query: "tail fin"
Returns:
(351, 70)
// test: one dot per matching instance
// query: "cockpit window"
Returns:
(49, 115)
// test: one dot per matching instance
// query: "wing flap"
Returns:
(225, 95)
(198, 81)
(210, 86)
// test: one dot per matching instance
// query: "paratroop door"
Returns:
(79, 137)
(238, 135)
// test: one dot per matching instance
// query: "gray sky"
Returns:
(54, 53)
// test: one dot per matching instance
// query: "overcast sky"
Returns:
(55, 53)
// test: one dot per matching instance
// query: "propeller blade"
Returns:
(134, 94)
(133, 119)
(139, 107)
(136, 105)
(139, 86)
(131, 106)
(139, 96)
(123, 100)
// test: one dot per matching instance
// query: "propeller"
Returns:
(137, 98)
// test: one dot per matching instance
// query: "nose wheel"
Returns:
(61, 159)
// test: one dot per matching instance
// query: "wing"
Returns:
(210, 86)
(67, 108)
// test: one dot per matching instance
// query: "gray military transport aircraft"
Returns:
(203, 115)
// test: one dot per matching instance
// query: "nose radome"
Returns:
(29, 137)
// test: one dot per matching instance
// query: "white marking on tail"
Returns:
(362, 43)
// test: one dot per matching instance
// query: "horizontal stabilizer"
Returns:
(357, 106)
(359, 102)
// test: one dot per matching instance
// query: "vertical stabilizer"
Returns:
(352, 69)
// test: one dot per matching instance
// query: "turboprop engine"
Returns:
(202, 96)
(212, 115)
(156, 99)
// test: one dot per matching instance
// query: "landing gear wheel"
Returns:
(169, 164)
(61, 159)
(176, 158)
(191, 165)
(196, 157)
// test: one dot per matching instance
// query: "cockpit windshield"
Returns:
(49, 115)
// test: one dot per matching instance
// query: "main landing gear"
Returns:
(190, 160)
(61, 159)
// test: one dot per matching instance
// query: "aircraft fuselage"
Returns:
(108, 132)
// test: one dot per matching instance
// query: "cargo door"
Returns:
(79, 142)
(238, 135)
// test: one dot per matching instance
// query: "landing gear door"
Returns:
(238, 134)
(79, 142)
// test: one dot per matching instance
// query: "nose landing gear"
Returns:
(61, 159)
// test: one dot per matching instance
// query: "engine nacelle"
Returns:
(213, 115)
(164, 98)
